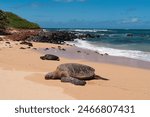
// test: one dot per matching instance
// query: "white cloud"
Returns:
(69, 0)
(131, 20)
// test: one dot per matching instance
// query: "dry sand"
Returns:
(22, 77)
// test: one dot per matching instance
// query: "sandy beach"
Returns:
(22, 77)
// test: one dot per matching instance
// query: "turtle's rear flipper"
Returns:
(73, 81)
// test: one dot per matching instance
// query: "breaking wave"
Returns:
(135, 54)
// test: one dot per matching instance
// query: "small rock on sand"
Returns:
(53, 47)
(7, 42)
(59, 47)
(96, 52)
(79, 51)
(106, 54)
(22, 48)
(28, 47)
(63, 49)
(26, 43)
(1, 39)
(34, 48)
(46, 49)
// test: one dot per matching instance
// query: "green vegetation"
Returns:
(3, 20)
(18, 22)
(11, 20)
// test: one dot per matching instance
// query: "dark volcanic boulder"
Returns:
(50, 57)
(22, 48)
(1, 39)
(26, 43)
(3, 32)
(56, 37)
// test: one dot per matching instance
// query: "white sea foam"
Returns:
(44, 30)
(92, 30)
(140, 55)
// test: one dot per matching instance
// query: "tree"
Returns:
(3, 20)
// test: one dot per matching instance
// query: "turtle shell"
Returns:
(77, 70)
(49, 57)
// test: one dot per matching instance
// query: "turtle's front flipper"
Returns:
(73, 80)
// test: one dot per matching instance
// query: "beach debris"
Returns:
(26, 43)
(46, 49)
(106, 54)
(22, 48)
(1, 39)
(63, 49)
(7, 42)
(96, 52)
(50, 57)
(68, 44)
(59, 47)
(28, 47)
(74, 73)
(79, 51)
(53, 47)
(34, 48)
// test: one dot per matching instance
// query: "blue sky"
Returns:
(82, 13)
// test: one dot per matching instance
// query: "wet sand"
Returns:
(80, 53)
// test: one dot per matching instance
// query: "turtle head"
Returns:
(49, 76)
(42, 57)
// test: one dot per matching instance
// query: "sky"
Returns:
(82, 13)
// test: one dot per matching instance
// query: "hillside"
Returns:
(3, 20)
(14, 21)
(18, 22)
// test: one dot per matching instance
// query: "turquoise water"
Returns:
(124, 39)
(116, 42)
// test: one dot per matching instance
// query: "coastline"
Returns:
(73, 52)
(127, 82)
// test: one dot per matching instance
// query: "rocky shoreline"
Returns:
(58, 37)
(39, 35)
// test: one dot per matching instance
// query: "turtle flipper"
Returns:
(73, 80)
(49, 76)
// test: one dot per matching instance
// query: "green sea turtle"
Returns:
(50, 57)
(73, 73)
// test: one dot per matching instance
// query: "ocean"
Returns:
(128, 43)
